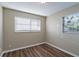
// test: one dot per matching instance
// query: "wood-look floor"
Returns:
(43, 50)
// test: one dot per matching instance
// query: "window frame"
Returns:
(29, 24)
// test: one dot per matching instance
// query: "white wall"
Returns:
(1, 31)
(20, 39)
(55, 35)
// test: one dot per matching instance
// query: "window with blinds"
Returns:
(27, 25)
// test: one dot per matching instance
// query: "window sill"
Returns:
(27, 31)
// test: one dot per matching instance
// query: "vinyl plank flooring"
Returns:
(43, 50)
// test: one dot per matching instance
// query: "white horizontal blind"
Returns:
(27, 25)
(35, 25)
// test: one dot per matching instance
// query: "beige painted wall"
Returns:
(66, 41)
(16, 40)
(1, 29)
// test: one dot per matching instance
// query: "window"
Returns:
(27, 25)
(71, 23)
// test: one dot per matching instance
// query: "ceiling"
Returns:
(37, 7)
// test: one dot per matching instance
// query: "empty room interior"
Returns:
(39, 29)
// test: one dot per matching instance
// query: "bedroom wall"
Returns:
(1, 29)
(55, 35)
(20, 39)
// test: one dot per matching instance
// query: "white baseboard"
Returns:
(2, 54)
(62, 50)
(39, 44)
(0, 51)
(21, 48)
